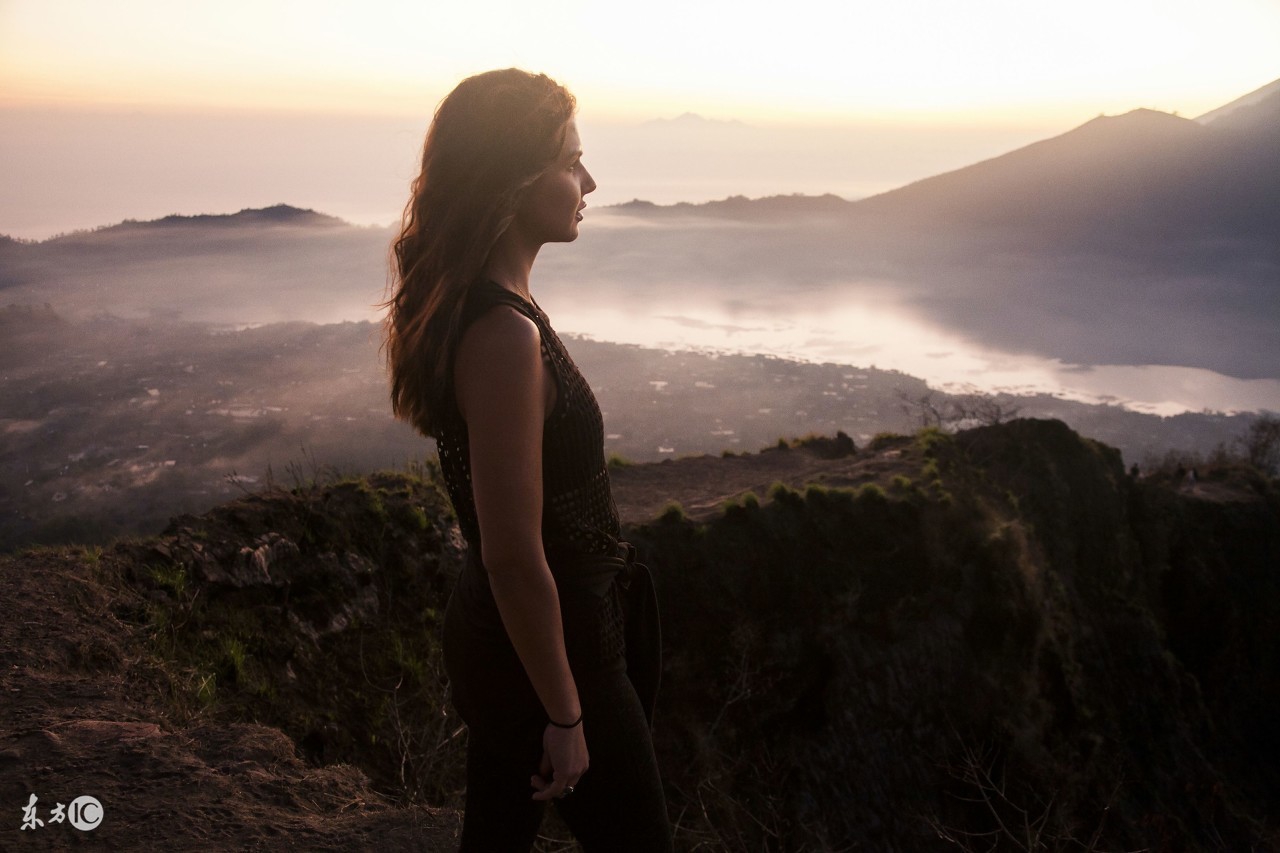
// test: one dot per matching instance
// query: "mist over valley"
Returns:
(1120, 271)
(115, 425)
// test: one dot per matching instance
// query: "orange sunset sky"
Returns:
(800, 61)
(114, 109)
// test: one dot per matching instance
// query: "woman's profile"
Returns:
(536, 631)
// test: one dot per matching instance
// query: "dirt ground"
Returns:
(80, 716)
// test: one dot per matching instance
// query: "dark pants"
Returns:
(618, 805)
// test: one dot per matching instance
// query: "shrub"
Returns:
(872, 493)
(1261, 444)
(881, 440)
(672, 513)
(744, 501)
(783, 494)
(828, 448)
(617, 460)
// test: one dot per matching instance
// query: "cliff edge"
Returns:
(992, 640)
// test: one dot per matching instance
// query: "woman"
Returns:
(534, 630)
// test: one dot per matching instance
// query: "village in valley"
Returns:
(113, 426)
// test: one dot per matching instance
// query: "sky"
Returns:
(801, 61)
(136, 109)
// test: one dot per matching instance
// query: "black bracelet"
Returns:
(572, 725)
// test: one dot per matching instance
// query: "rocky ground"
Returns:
(89, 709)
(85, 713)
(266, 675)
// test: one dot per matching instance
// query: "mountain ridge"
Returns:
(1262, 93)
(1131, 166)
(256, 217)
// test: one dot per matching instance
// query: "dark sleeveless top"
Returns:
(579, 518)
(578, 513)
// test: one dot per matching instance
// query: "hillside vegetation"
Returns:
(992, 640)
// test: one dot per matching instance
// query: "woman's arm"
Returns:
(504, 392)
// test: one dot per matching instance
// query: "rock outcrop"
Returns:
(993, 640)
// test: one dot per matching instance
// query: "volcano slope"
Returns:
(989, 640)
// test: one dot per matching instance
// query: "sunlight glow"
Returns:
(804, 60)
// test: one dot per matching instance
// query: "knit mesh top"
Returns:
(578, 513)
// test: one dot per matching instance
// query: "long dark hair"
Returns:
(491, 137)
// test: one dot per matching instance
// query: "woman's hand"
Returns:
(564, 760)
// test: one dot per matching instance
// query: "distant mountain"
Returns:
(1142, 238)
(741, 207)
(258, 265)
(1129, 184)
(279, 214)
(1125, 181)
(693, 121)
(1249, 100)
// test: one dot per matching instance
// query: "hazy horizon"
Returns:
(70, 170)
(212, 108)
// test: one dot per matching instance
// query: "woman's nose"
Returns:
(589, 184)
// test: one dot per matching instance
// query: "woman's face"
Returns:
(551, 208)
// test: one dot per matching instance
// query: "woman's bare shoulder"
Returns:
(499, 365)
(501, 335)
